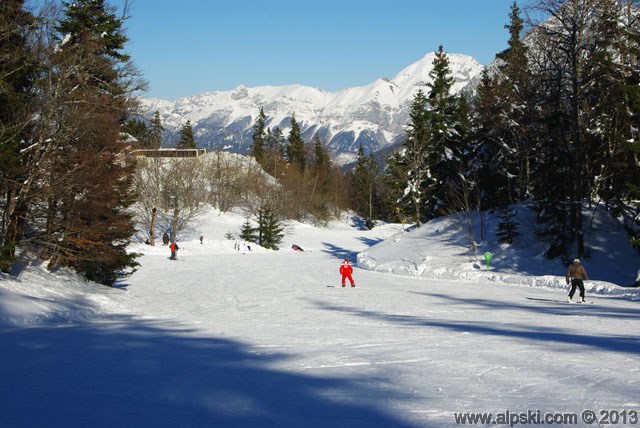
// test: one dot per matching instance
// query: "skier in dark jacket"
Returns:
(576, 273)
(346, 270)
(165, 239)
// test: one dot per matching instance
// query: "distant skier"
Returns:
(165, 239)
(576, 273)
(346, 270)
(174, 249)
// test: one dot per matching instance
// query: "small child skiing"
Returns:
(174, 248)
(346, 270)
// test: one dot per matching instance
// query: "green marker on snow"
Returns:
(487, 257)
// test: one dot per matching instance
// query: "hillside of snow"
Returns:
(441, 249)
(228, 336)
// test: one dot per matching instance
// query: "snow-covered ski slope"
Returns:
(231, 338)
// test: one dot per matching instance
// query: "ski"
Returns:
(589, 302)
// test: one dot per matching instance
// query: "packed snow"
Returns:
(232, 336)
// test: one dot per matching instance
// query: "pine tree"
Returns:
(274, 152)
(269, 228)
(186, 137)
(321, 159)
(156, 132)
(503, 113)
(248, 232)
(561, 177)
(295, 150)
(517, 109)
(138, 129)
(88, 191)
(613, 115)
(444, 148)
(366, 195)
(259, 137)
(410, 171)
(395, 181)
(507, 227)
(630, 54)
(17, 75)
(276, 142)
(490, 157)
(321, 164)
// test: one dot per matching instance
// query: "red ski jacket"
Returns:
(346, 269)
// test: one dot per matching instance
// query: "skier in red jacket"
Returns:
(346, 270)
(174, 248)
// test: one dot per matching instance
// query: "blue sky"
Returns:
(186, 47)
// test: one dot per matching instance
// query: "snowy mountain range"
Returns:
(373, 116)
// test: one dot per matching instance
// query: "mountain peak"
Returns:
(373, 115)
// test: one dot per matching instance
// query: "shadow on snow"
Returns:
(616, 343)
(123, 372)
(342, 253)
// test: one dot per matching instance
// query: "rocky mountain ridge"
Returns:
(373, 115)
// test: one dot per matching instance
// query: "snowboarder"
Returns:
(575, 274)
(201, 238)
(174, 249)
(346, 270)
(165, 239)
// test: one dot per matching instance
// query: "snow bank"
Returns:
(38, 296)
(440, 249)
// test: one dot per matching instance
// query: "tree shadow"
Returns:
(617, 343)
(342, 253)
(544, 306)
(339, 252)
(125, 372)
(359, 223)
(369, 241)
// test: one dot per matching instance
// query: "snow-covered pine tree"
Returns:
(445, 148)
(503, 112)
(395, 181)
(409, 170)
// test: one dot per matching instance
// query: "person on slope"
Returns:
(346, 270)
(174, 249)
(576, 273)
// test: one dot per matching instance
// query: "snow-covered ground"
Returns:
(226, 337)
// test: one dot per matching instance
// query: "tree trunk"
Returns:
(152, 239)
(8, 250)
(174, 223)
